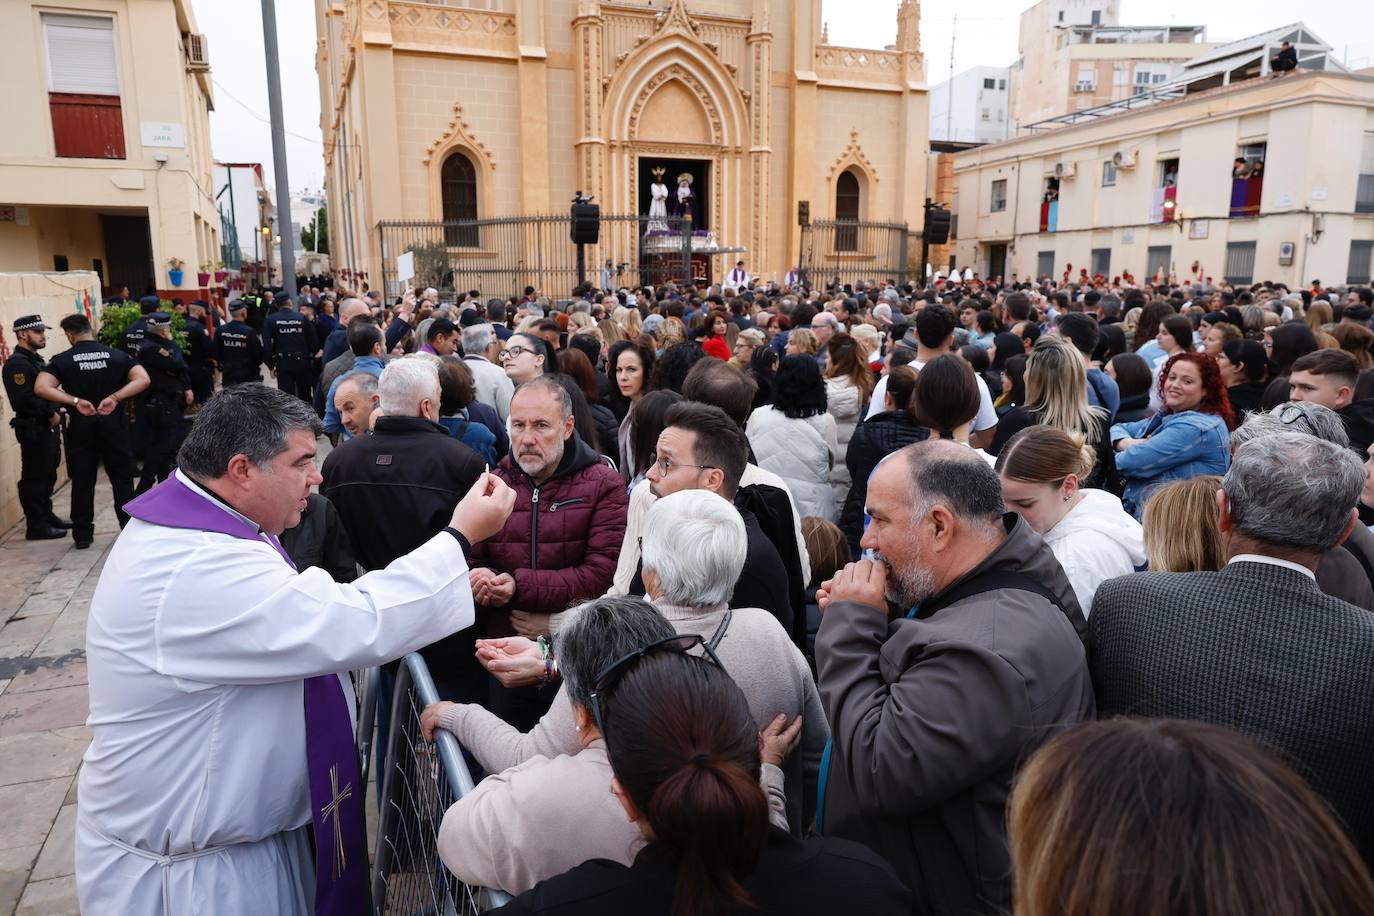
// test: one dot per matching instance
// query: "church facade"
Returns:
(507, 107)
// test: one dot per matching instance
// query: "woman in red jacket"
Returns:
(714, 342)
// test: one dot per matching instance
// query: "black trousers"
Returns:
(91, 442)
(160, 421)
(295, 376)
(202, 383)
(40, 449)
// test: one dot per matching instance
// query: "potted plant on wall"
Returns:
(174, 266)
(203, 277)
(220, 272)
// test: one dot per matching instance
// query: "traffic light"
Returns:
(937, 225)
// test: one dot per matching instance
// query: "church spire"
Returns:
(909, 26)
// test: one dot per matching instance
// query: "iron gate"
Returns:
(853, 251)
(500, 257)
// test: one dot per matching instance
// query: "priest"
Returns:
(221, 707)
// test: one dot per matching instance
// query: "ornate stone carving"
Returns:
(675, 19)
(458, 134)
(853, 155)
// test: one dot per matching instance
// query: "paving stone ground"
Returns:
(45, 593)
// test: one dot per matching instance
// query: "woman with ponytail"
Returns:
(1092, 537)
(686, 757)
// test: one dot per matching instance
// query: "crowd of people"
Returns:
(879, 598)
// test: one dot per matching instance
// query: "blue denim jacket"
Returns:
(1181, 445)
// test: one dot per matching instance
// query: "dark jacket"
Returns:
(1257, 648)
(488, 417)
(931, 715)
(562, 539)
(320, 540)
(1347, 571)
(793, 878)
(607, 431)
(1245, 398)
(1133, 408)
(873, 440)
(1358, 417)
(396, 489)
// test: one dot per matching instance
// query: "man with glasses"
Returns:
(701, 448)
(561, 542)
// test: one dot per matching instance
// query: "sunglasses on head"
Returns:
(617, 669)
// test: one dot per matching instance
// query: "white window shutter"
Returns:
(81, 55)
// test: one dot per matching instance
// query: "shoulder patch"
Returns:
(383, 460)
(20, 378)
(163, 351)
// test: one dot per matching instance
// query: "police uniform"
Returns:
(160, 409)
(40, 442)
(289, 343)
(92, 371)
(238, 349)
(198, 360)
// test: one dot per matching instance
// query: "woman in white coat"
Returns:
(848, 386)
(795, 438)
(1092, 537)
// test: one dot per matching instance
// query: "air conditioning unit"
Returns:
(197, 52)
(1084, 86)
(1065, 170)
(1122, 160)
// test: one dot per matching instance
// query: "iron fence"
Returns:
(500, 257)
(852, 251)
(422, 779)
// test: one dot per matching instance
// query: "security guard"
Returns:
(238, 349)
(36, 425)
(199, 355)
(160, 409)
(290, 344)
(92, 380)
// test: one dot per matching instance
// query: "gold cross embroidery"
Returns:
(332, 810)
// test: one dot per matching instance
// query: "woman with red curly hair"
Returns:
(1188, 437)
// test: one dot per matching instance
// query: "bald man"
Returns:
(336, 348)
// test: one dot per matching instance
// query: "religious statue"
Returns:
(658, 206)
(686, 200)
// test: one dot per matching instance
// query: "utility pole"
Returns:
(269, 43)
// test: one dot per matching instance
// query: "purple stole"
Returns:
(341, 870)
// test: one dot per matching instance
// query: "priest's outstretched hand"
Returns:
(483, 511)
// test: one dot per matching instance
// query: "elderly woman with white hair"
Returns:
(693, 549)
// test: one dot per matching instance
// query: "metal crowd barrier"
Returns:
(420, 783)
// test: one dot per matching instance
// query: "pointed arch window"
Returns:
(847, 210)
(458, 188)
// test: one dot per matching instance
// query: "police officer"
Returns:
(290, 344)
(132, 340)
(199, 354)
(160, 409)
(92, 380)
(238, 349)
(36, 425)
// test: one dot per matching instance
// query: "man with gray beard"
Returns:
(933, 703)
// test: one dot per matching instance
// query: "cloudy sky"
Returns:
(985, 36)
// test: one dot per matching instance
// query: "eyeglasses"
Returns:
(666, 465)
(514, 351)
(617, 669)
(1289, 414)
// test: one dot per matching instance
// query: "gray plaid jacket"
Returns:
(1254, 647)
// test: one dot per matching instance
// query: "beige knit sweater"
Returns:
(757, 653)
(543, 817)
